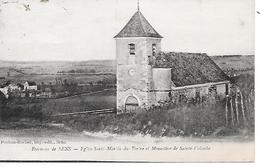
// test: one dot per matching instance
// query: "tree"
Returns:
(92, 71)
(3, 102)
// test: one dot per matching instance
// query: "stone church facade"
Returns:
(146, 76)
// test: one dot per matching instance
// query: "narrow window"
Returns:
(182, 98)
(154, 49)
(197, 96)
(227, 89)
(213, 90)
(132, 49)
(150, 60)
(131, 59)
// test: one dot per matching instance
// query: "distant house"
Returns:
(21, 86)
(8, 87)
(4, 91)
(30, 85)
(13, 87)
(30, 93)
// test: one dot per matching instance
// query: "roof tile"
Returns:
(190, 68)
(138, 26)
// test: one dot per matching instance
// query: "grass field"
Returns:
(101, 100)
(235, 64)
(19, 72)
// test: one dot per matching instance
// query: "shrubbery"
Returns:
(195, 120)
(16, 113)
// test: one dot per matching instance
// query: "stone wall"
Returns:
(162, 96)
(203, 89)
(221, 89)
(145, 99)
(162, 79)
(134, 78)
(143, 47)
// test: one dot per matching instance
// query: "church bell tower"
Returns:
(136, 45)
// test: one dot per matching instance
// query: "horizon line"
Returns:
(104, 59)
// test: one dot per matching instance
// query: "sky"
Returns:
(79, 30)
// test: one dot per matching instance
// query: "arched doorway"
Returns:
(131, 104)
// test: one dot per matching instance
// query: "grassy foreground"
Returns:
(193, 120)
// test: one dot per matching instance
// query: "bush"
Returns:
(16, 113)
(196, 120)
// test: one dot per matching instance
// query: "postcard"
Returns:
(127, 81)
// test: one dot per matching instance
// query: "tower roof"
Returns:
(138, 26)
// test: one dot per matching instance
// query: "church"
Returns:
(147, 76)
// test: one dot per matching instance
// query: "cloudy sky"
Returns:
(84, 29)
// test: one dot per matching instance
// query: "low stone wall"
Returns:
(161, 96)
(198, 91)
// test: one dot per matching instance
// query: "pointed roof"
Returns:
(138, 26)
(31, 83)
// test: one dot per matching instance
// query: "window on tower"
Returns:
(132, 49)
(154, 49)
(131, 58)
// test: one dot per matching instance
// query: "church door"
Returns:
(131, 104)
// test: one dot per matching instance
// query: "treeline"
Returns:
(78, 71)
(231, 72)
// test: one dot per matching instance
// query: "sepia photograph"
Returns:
(127, 80)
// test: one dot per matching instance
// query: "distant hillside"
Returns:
(89, 62)
(235, 64)
(52, 67)
(51, 71)
(228, 63)
(101, 62)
